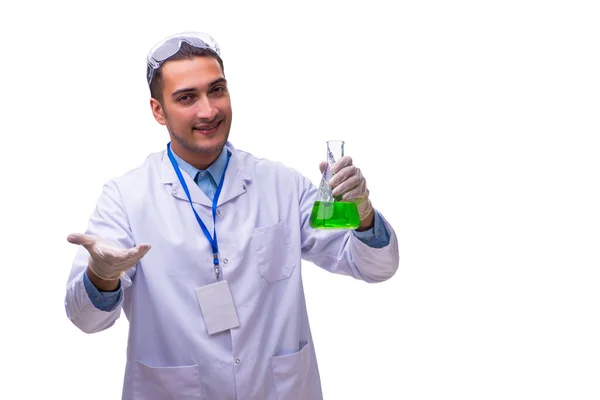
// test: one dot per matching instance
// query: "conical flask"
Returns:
(328, 212)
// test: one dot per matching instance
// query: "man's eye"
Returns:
(218, 90)
(185, 98)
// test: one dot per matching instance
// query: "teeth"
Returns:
(208, 128)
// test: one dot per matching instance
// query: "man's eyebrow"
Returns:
(216, 81)
(191, 90)
(184, 90)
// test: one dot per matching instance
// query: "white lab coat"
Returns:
(263, 233)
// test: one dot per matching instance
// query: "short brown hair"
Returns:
(185, 52)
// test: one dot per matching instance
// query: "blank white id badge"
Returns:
(217, 307)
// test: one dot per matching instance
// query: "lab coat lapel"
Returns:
(236, 178)
(170, 179)
(235, 184)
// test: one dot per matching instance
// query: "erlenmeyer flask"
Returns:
(328, 212)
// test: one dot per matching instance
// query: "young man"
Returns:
(201, 246)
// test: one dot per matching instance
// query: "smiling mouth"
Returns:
(208, 129)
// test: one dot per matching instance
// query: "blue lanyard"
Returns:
(213, 239)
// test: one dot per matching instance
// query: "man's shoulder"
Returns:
(149, 167)
(260, 165)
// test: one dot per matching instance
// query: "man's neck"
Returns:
(200, 161)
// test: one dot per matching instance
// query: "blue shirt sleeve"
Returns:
(376, 237)
(105, 301)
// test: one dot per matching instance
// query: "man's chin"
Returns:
(200, 144)
(209, 147)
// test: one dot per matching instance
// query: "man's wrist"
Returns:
(104, 285)
(367, 222)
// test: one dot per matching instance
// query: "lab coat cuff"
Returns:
(376, 264)
(105, 301)
(376, 237)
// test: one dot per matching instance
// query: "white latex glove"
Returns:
(106, 260)
(349, 182)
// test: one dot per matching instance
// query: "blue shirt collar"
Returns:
(216, 169)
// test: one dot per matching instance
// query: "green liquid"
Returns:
(334, 215)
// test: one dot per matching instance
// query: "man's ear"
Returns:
(157, 111)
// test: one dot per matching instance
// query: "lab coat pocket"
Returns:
(159, 383)
(290, 373)
(271, 247)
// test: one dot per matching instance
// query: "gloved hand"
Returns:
(106, 260)
(349, 182)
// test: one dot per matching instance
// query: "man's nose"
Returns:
(206, 110)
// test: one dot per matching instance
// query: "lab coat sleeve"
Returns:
(109, 220)
(340, 251)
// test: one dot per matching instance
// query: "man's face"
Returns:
(196, 107)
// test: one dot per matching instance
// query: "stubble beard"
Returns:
(189, 145)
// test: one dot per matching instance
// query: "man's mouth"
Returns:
(208, 129)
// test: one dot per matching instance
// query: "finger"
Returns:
(134, 254)
(346, 185)
(81, 239)
(359, 193)
(143, 249)
(322, 166)
(342, 175)
(341, 163)
(356, 195)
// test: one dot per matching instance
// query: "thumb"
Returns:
(143, 249)
(322, 166)
(80, 238)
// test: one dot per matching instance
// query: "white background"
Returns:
(475, 123)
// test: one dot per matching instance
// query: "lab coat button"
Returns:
(238, 361)
(225, 261)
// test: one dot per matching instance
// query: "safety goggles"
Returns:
(171, 45)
